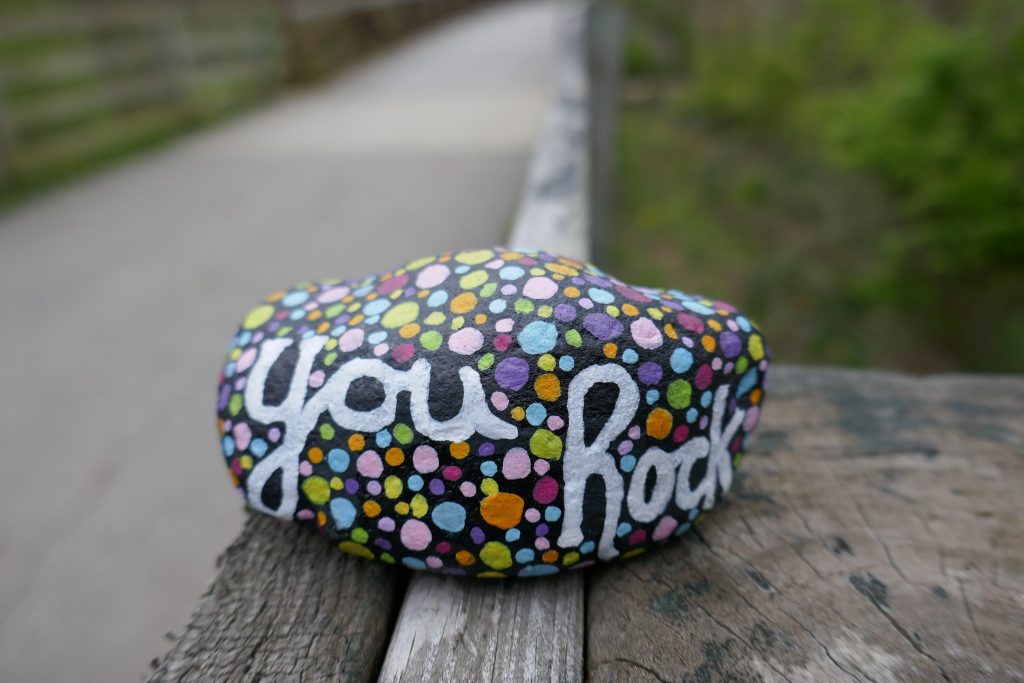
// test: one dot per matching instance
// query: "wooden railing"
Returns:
(82, 83)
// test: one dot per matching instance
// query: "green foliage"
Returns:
(926, 108)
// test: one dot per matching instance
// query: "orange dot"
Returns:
(670, 332)
(315, 455)
(423, 294)
(708, 342)
(610, 350)
(321, 518)
(394, 457)
(371, 508)
(503, 510)
(518, 414)
(572, 292)
(547, 387)
(409, 331)
(315, 314)
(324, 326)
(630, 309)
(480, 319)
(464, 303)
(356, 442)
(459, 450)
(465, 558)
(659, 423)
(356, 319)
(755, 396)
(276, 296)
(715, 325)
(549, 556)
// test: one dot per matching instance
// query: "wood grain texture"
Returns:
(287, 606)
(875, 533)
(454, 629)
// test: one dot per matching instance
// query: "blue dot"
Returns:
(524, 555)
(691, 415)
(566, 363)
(747, 383)
(497, 306)
(437, 298)
(383, 438)
(376, 307)
(344, 512)
(652, 396)
(538, 570)
(244, 339)
(459, 270)
(338, 460)
(488, 468)
(295, 298)
(512, 535)
(587, 547)
(414, 563)
(629, 356)
(681, 360)
(258, 447)
(449, 516)
(297, 314)
(627, 463)
(538, 337)
(228, 445)
(511, 273)
(372, 320)
(705, 399)
(535, 414)
(693, 513)
(698, 308)
(623, 529)
(362, 291)
(683, 528)
(415, 482)
(552, 513)
(377, 337)
(743, 323)
(601, 296)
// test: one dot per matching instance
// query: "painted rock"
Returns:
(491, 412)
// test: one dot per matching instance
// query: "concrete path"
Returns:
(117, 297)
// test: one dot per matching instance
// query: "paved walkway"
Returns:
(118, 295)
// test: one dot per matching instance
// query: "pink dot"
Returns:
(645, 333)
(541, 466)
(503, 325)
(502, 342)
(415, 534)
(369, 465)
(424, 459)
(380, 349)
(532, 515)
(403, 352)
(243, 435)
(466, 341)
(540, 288)
(634, 432)
(386, 524)
(316, 379)
(468, 489)
(432, 276)
(749, 422)
(664, 529)
(555, 423)
(637, 537)
(542, 543)
(247, 358)
(545, 490)
(499, 400)
(434, 562)
(333, 294)
(680, 433)
(305, 468)
(351, 340)
(516, 464)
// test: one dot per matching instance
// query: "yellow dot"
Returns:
(393, 487)
(419, 505)
(659, 423)
(402, 508)
(394, 457)
(547, 387)
(459, 450)
(246, 462)
(473, 280)
(496, 555)
(474, 258)
(356, 549)
(257, 316)
(400, 314)
(488, 486)
(571, 558)
(435, 318)
(546, 362)
(756, 347)
(518, 414)
(715, 325)
(336, 483)
(464, 303)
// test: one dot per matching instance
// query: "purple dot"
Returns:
(486, 449)
(542, 529)
(602, 326)
(649, 373)
(436, 487)
(383, 543)
(565, 312)
(731, 345)
(477, 534)
(512, 373)
(351, 485)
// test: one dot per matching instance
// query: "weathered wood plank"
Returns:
(474, 630)
(875, 533)
(287, 606)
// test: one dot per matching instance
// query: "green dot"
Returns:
(326, 432)
(258, 316)
(741, 365)
(431, 340)
(573, 338)
(546, 444)
(387, 557)
(317, 490)
(330, 358)
(457, 322)
(486, 361)
(402, 433)
(545, 311)
(488, 289)
(473, 280)
(334, 311)
(524, 306)
(284, 331)
(359, 535)
(399, 315)
(235, 404)
(679, 393)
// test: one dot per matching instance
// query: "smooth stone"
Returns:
(449, 415)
